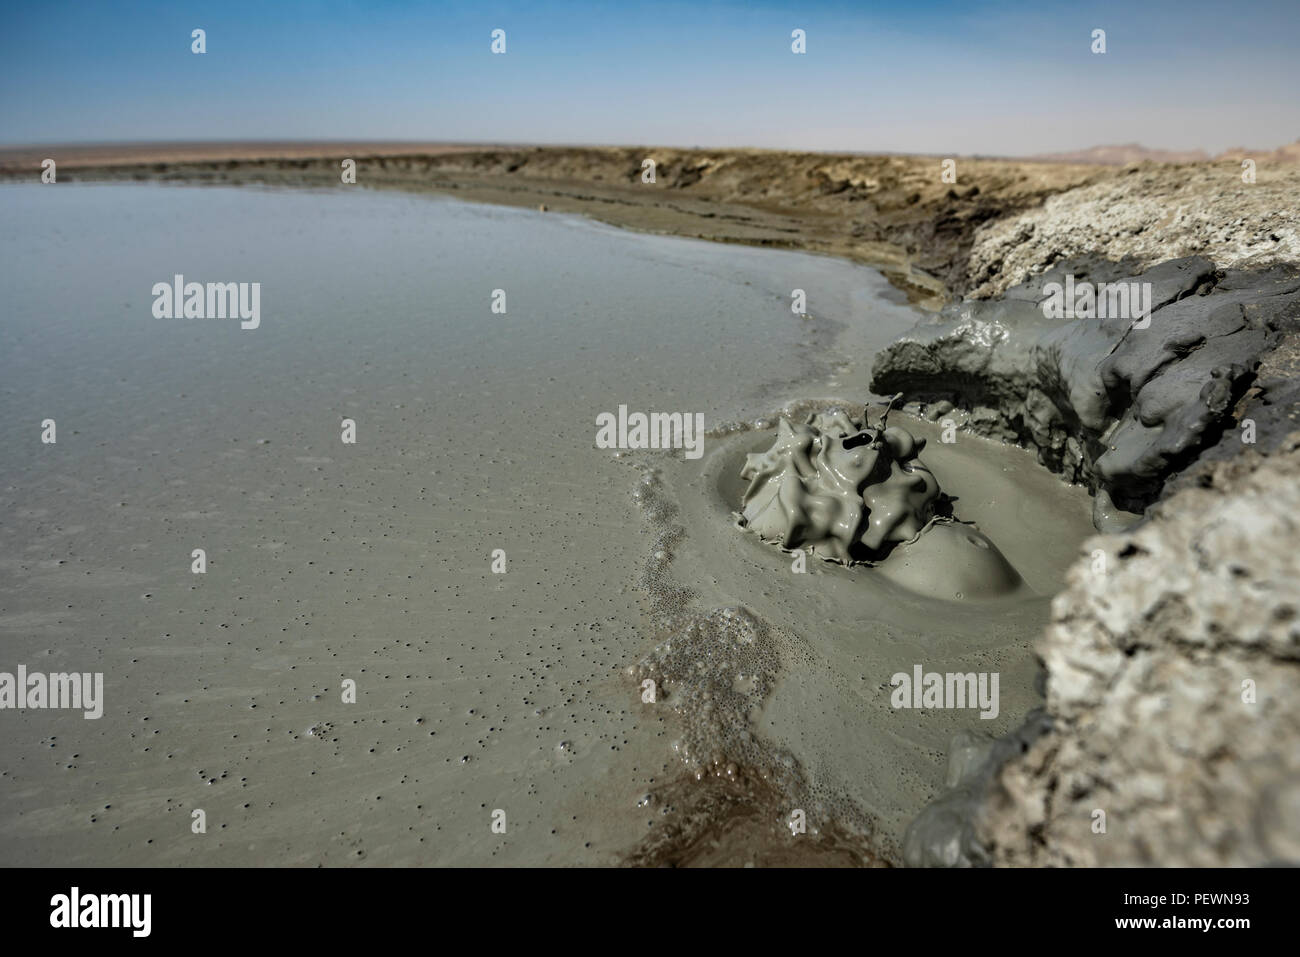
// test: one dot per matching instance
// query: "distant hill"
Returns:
(1124, 154)
(1137, 153)
(1290, 153)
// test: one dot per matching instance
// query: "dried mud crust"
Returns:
(1172, 665)
(1146, 215)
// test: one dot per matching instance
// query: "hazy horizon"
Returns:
(522, 144)
(993, 78)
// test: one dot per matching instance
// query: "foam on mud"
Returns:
(713, 668)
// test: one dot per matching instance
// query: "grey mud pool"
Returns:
(497, 588)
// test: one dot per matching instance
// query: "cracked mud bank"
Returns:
(1117, 406)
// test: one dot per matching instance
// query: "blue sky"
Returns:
(1007, 78)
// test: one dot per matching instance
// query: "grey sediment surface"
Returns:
(330, 561)
(782, 701)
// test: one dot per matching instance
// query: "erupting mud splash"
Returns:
(848, 493)
(856, 494)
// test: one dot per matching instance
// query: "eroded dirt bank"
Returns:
(893, 212)
(934, 238)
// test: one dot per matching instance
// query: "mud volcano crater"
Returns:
(848, 492)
